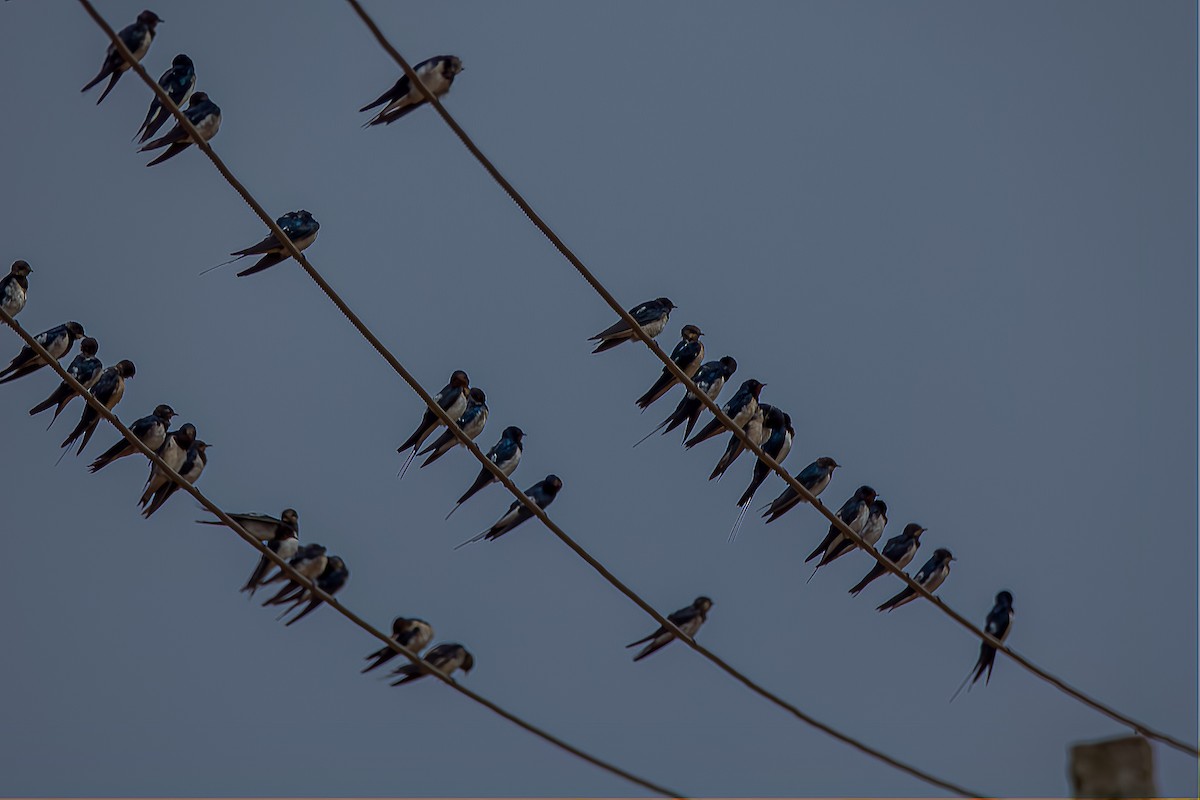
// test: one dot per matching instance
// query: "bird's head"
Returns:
(730, 365)
(866, 494)
(21, 268)
(478, 397)
(514, 433)
(149, 19)
(89, 346)
(126, 369)
(702, 604)
(164, 412)
(181, 62)
(459, 379)
(691, 333)
(75, 330)
(825, 462)
(290, 518)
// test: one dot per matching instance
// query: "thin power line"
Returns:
(311, 586)
(474, 449)
(712, 406)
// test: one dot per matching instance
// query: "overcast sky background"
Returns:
(956, 239)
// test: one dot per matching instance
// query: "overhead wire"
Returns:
(527, 209)
(451, 425)
(310, 585)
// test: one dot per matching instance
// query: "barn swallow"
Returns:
(470, 422)
(150, 430)
(301, 229)
(930, 577)
(999, 623)
(754, 429)
(137, 38)
(177, 82)
(652, 316)
(263, 527)
(505, 454)
(14, 288)
(541, 493)
(109, 390)
(403, 98)
(815, 477)
(854, 513)
(173, 451)
(453, 400)
(871, 533)
(687, 620)
(309, 561)
(57, 340)
(445, 657)
(284, 542)
(205, 117)
(193, 465)
(709, 379)
(777, 446)
(899, 550)
(412, 634)
(330, 581)
(687, 355)
(85, 368)
(740, 409)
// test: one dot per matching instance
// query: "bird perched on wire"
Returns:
(709, 379)
(284, 542)
(14, 288)
(173, 451)
(309, 561)
(470, 422)
(505, 454)
(854, 513)
(57, 340)
(331, 581)
(301, 229)
(687, 619)
(872, 532)
(740, 408)
(899, 550)
(412, 634)
(437, 74)
(137, 38)
(652, 316)
(177, 82)
(109, 390)
(541, 493)
(447, 658)
(193, 465)
(205, 117)
(929, 578)
(777, 446)
(263, 527)
(85, 368)
(755, 430)
(453, 400)
(998, 625)
(687, 355)
(151, 430)
(815, 477)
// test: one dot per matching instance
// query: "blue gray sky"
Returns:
(956, 239)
